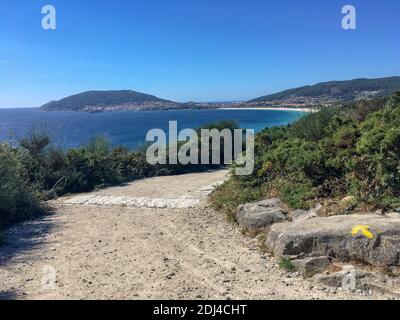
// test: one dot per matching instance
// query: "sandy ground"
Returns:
(113, 251)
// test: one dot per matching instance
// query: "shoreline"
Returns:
(310, 110)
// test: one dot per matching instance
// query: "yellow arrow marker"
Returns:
(363, 229)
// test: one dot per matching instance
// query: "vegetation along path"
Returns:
(152, 239)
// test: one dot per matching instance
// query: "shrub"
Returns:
(286, 264)
(377, 167)
(18, 200)
(352, 150)
(394, 101)
(314, 126)
(230, 195)
(35, 141)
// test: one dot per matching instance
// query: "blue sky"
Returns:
(190, 50)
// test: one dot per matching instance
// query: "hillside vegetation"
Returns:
(339, 90)
(353, 150)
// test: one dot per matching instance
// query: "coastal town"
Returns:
(295, 103)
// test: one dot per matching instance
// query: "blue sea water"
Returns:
(71, 129)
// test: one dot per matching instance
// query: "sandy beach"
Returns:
(275, 109)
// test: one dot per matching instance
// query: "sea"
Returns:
(129, 129)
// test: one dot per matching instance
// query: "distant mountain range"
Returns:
(320, 94)
(333, 91)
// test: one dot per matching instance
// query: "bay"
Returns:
(71, 129)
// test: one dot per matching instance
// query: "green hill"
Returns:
(336, 91)
(103, 99)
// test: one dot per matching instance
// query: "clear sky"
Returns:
(190, 50)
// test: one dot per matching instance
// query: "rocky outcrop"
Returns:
(370, 238)
(318, 246)
(297, 214)
(300, 215)
(309, 267)
(262, 214)
(353, 279)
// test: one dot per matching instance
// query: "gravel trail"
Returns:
(137, 242)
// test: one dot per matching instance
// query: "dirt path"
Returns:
(152, 239)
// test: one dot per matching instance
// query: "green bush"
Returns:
(231, 194)
(314, 126)
(377, 167)
(348, 150)
(18, 199)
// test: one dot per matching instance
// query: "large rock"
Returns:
(262, 214)
(309, 267)
(333, 237)
(352, 279)
(300, 215)
(393, 214)
(347, 200)
(347, 279)
(296, 214)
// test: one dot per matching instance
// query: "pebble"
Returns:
(172, 274)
